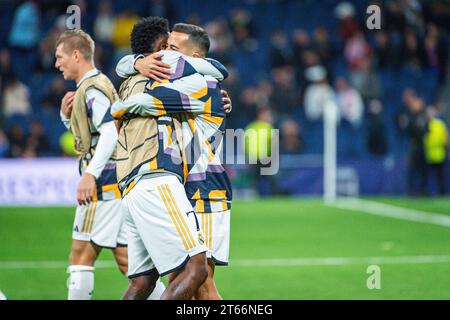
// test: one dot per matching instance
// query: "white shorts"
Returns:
(163, 230)
(100, 222)
(216, 228)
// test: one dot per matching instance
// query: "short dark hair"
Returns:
(146, 32)
(197, 35)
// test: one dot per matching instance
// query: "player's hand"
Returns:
(67, 103)
(152, 67)
(226, 101)
(86, 188)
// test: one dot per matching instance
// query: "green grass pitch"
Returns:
(267, 238)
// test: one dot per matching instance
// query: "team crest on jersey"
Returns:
(201, 237)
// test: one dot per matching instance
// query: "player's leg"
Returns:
(108, 230)
(216, 227)
(187, 282)
(121, 250)
(168, 227)
(83, 254)
(81, 269)
(141, 286)
(141, 270)
(121, 255)
(208, 290)
(157, 291)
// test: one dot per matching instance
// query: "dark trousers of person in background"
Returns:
(264, 184)
(417, 173)
(439, 172)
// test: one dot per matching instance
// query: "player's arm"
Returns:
(104, 124)
(156, 65)
(125, 67)
(157, 102)
(152, 68)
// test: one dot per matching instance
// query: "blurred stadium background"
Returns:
(285, 57)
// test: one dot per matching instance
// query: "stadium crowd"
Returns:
(285, 58)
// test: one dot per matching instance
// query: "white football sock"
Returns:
(81, 282)
(158, 291)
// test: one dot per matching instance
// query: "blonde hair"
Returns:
(77, 40)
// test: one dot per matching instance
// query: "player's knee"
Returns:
(123, 267)
(171, 277)
(198, 272)
(122, 263)
(76, 256)
(202, 274)
(144, 283)
(83, 253)
(140, 284)
(203, 291)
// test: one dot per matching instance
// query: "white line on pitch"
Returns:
(330, 261)
(386, 210)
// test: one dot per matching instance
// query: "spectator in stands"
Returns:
(16, 99)
(104, 22)
(5, 74)
(357, 50)
(5, 68)
(221, 40)
(194, 19)
(249, 100)
(366, 80)
(348, 25)
(242, 28)
(123, 24)
(66, 144)
(4, 144)
(395, 17)
(24, 37)
(412, 11)
(376, 129)
(322, 45)
(285, 95)
(265, 95)
(46, 57)
(415, 123)
(55, 93)
(300, 43)
(349, 102)
(382, 50)
(436, 51)
(436, 147)
(317, 93)
(413, 54)
(258, 148)
(160, 8)
(311, 58)
(291, 138)
(280, 53)
(233, 86)
(16, 139)
(36, 143)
